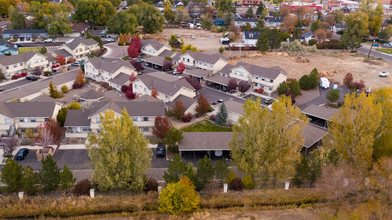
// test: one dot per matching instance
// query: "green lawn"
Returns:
(27, 49)
(389, 51)
(206, 126)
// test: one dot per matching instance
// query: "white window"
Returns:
(33, 119)
(98, 120)
(145, 90)
(15, 65)
(20, 64)
(134, 118)
(135, 86)
(7, 121)
(7, 67)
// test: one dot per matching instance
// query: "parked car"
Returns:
(161, 150)
(324, 83)
(32, 78)
(77, 63)
(269, 101)
(1, 88)
(383, 74)
(109, 40)
(49, 40)
(21, 154)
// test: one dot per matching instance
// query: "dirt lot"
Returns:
(333, 64)
(204, 40)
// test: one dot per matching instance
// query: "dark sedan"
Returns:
(21, 154)
(161, 150)
(32, 78)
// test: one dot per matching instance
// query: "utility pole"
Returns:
(371, 48)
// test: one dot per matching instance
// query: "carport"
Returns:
(218, 82)
(154, 62)
(319, 115)
(313, 136)
(197, 144)
(198, 74)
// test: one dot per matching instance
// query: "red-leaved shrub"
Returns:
(15, 77)
(212, 117)
(124, 88)
(236, 184)
(76, 86)
(260, 90)
(187, 118)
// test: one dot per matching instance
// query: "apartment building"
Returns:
(80, 48)
(191, 59)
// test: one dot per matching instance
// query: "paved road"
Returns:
(115, 51)
(375, 53)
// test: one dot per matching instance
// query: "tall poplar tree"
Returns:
(119, 153)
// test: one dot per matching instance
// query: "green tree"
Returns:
(314, 77)
(351, 130)
(386, 33)
(315, 25)
(315, 170)
(263, 146)
(169, 15)
(261, 10)
(339, 16)
(305, 82)
(122, 22)
(173, 40)
(176, 169)
(294, 87)
(17, 19)
(221, 117)
(282, 88)
(119, 153)
(301, 171)
(297, 29)
(179, 197)
(67, 179)
(4, 5)
(148, 16)
(205, 171)
(30, 181)
(181, 15)
(62, 114)
(54, 92)
(249, 13)
(96, 12)
(221, 170)
(356, 29)
(188, 47)
(260, 25)
(262, 43)
(43, 50)
(383, 136)
(333, 95)
(224, 6)
(12, 175)
(207, 23)
(173, 139)
(49, 175)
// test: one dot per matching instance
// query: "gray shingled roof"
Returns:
(62, 52)
(312, 134)
(252, 34)
(133, 108)
(243, 19)
(207, 58)
(91, 95)
(186, 101)
(24, 31)
(201, 141)
(19, 58)
(226, 69)
(222, 80)
(198, 72)
(75, 43)
(155, 60)
(120, 79)
(110, 65)
(154, 43)
(271, 73)
(164, 83)
(167, 53)
(77, 118)
(27, 109)
(146, 98)
(322, 112)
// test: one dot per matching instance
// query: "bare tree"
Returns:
(45, 136)
(9, 144)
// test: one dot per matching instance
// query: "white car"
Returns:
(383, 74)
(49, 40)
(109, 40)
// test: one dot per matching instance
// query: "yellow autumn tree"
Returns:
(178, 198)
(352, 129)
(266, 144)
(80, 78)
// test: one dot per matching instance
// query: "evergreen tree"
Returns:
(221, 170)
(205, 171)
(66, 179)
(173, 139)
(301, 171)
(119, 153)
(282, 88)
(12, 175)
(249, 13)
(333, 95)
(262, 43)
(221, 117)
(294, 87)
(49, 174)
(314, 78)
(176, 169)
(30, 181)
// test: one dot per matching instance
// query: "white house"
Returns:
(25, 63)
(113, 71)
(250, 37)
(191, 59)
(307, 36)
(241, 21)
(143, 112)
(80, 48)
(168, 87)
(273, 22)
(153, 47)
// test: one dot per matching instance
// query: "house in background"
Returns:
(307, 36)
(273, 22)
(7, 48)
(168, 87)
(25, 63)
(204, 61)
(143, 112)
(114, 71)
(242, 21)
(153, 47)
(250, 37)
(16, 116)
(24, 34)
(80, 48)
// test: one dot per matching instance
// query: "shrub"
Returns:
(125, 58)
(260, 90)
(212, 117)
(82, 187)
(187, 118)
(248, 182)
(236, 184)
(104, 84)
(76, 86)
(129, 94)
(282, 88)
(359, 85)
(231, 177)
(305, 82)
(197, 115)
(124, 88)
(150, 184)
(64, 89)
(15, 77)
(332, 44)
(312, 42)
(333, 95)
(47, 73)
(294, 87)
